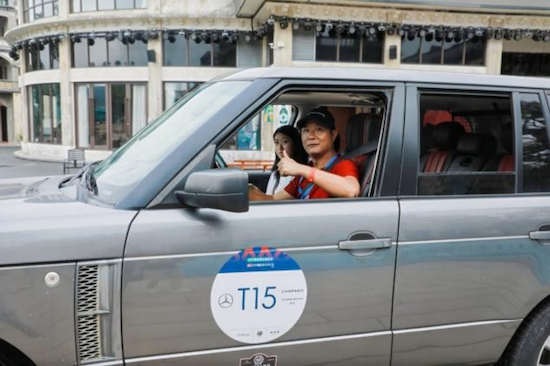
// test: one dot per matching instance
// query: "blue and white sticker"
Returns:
(258, 295)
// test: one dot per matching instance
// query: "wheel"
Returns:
(530, 346)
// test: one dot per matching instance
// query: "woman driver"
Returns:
(328, 175)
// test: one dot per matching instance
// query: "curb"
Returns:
(19, 154)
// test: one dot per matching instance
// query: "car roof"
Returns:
(411, 76)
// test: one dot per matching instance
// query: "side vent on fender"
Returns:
(98, 311)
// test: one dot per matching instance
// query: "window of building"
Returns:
(526, 64)
(536, 148)
(175, 91)
(4, 72)
(182, 50)
(447, 51)
(330, 45)
(78, 6)
(45, 116)
(42, 56)
(101, 52)
(38, 9)
(107, 115)
(466, 144)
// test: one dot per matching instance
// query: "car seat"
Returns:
(363, 133)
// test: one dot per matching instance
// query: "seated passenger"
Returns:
(328, 175)
(285, 138)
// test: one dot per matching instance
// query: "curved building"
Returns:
(93, 72)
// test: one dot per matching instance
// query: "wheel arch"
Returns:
(12, 355)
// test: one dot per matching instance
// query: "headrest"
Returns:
(426, 138)
(477, 144)
(507, 137)
(362, 129)
(446, 135)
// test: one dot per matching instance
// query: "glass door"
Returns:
(120, 123)
(99, 117)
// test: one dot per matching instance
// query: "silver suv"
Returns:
(156, 257)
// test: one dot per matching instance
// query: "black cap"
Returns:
(321, 116)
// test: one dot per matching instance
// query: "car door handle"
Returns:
(382, 243)
(539, 235)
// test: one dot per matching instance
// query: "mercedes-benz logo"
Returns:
(225, 301)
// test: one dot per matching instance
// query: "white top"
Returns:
(283, 182)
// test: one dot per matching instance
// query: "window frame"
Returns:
(187, 57)
(43, 3)
(97, 6)
(442, 55)
(32, 51)
(108, 111)
(31, 121)
(411, 148)
(385, 180)
(545, 105)
(84, 40)
(363, 40)
(204, 155)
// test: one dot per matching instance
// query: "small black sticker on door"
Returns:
(259, 359)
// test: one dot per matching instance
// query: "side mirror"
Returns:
(222, 189)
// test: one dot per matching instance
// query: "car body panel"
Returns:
(458, 344)
(373, 350)
(463, 260)
(36, 318)
(44, 225)
(173, 256)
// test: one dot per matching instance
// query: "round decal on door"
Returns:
(258, 295)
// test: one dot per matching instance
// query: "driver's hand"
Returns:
(288, 166)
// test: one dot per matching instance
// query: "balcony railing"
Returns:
(7, 86)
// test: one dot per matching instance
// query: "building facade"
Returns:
(93, 72)
(9, 73)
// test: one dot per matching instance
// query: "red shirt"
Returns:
(344, 168)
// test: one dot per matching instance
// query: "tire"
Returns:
(6, 360)
(530, 345)
(11, 356)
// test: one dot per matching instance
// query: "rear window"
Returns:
(467, 144)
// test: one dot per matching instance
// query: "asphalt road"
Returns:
(11, 167)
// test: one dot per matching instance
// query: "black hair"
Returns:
(299, 155)
(337, 143)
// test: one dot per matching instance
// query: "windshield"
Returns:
(118, 174)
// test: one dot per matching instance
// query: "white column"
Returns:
(394, 40)
(282, 42)
(155, 88)
(493, 56)
(67, 97)
(24, 113)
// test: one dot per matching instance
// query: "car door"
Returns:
(325, 296)
(471, 263)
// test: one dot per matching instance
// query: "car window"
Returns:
(123, 170)
(252, 145)
(536, 151)
(466, 144)
(359, 120)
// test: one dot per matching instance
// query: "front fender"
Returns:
(37, 318)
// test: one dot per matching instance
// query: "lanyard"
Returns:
(304, 194)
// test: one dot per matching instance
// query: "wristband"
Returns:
(311, 175)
